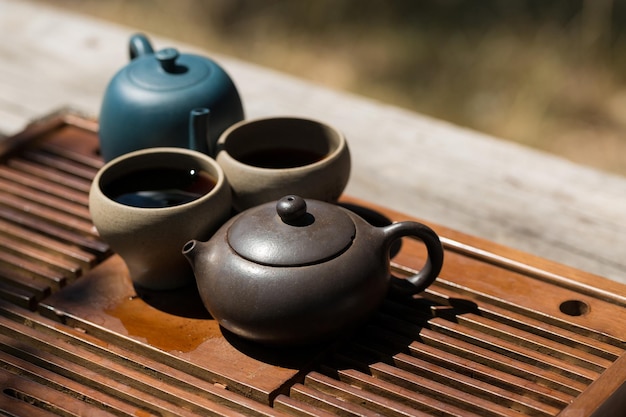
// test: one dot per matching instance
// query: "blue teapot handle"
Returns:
(139, 45)
(429, 272)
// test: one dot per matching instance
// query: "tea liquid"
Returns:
(160, 187)
(280, 158)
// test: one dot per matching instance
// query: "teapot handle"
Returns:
(426, 276)
(139, 45)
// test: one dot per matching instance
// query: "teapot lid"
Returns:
(291, 232)
(168, 70)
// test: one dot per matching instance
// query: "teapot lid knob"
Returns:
(167, 58)
(291, 208)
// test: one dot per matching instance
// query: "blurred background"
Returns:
(547, 74)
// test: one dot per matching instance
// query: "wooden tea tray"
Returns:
(500, 333)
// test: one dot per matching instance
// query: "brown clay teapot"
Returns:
(298, 271)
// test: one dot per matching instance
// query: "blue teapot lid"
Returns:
(168, 70)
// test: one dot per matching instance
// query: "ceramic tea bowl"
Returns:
(265, 159)
(146, 204)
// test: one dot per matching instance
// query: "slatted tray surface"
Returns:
(499, 334)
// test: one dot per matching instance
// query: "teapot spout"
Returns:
(190, 251)
(199, 131)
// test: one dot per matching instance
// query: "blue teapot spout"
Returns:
(199, 131)
(139, 45)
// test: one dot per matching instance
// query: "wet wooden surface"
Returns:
(500, 333)
(505, 193)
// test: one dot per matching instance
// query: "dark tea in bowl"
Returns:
(280, 158)
(160, 187)
(265, 159)
(148, 203)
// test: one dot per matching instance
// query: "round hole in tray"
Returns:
(574, 307)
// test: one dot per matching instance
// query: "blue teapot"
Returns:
(165, 98)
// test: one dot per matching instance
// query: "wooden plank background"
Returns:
(480, 185)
